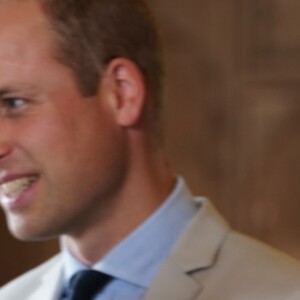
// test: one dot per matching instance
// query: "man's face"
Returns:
(61, 155)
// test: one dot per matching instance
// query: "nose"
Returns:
(6, 145)
(5, 149)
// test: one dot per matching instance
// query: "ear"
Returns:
(128, 91)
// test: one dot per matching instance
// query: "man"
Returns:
(81, 158)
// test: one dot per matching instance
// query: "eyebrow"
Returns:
(15, 89)
(5, 90)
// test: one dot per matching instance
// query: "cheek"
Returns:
(47, 132)
(43, 140)
(70, 147)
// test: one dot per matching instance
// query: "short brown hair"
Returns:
(92, 32)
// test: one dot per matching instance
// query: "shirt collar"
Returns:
(137, 258)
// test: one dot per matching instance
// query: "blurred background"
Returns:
(232, 118)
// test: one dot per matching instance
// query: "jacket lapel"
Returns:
(49, 285)
(173, 284)
(195, 250)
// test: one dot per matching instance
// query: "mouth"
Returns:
(16, 187)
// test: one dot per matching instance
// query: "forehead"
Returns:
(24, 32)
(27, 49)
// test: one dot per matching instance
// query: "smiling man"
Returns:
(82, 159)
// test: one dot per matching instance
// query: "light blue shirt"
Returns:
(134, 262)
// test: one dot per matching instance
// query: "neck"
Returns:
(144, 190)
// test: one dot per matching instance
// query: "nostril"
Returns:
(5, 150)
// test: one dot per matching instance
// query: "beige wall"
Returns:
(234, 109)
(232, 118)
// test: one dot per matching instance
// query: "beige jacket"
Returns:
(209, 262)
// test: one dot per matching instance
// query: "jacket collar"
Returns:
(196, 249)
(50, 284)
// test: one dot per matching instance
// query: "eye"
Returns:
(12, 105)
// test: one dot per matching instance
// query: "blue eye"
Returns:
(14, 103)
(11, 106)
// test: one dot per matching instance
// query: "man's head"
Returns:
(66, 145)
(90, 33)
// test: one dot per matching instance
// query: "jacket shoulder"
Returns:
(248, 269)
(259, 256)
(27, 282)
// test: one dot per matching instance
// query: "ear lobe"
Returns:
(129, 90)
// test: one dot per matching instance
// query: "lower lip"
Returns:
(18, 201)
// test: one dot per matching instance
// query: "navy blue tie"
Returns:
(85, 284)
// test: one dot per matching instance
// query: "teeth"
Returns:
(17, 186)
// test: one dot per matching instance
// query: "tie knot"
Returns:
(85, 284)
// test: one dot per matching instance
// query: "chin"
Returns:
(25, 232)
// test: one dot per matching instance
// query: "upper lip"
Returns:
(6, 177)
